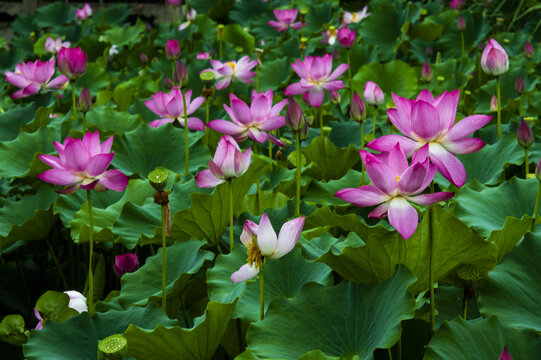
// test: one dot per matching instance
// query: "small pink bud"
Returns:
(85, 100)
(295, 119)
(505, 355)
(172, 49)
(191, 15)
(456, 4)
(372, 94)
(494, 103)
(538, 170)
(460, 23)
(168, 83)
(519, 85)
(72, 62)
(180, 75)
(126, 263)
(346, 37)
(143, 58)
(335, 96)
(426, 72)
(528, 50)
(357, 110)
(524, 134)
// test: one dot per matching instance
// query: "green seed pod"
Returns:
(158, 178)
(114, 347)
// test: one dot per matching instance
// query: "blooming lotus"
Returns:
(356, 17)
(72, 62)
(126, 263)
(268, 245)
(30, 77)
(286, 18)
(54, 46)
(395, 184)
(229, 162)
(171, 108)
(226, 72)
(426, 120)
(252, 121)
(494, 60)
(83, 163)
(316, 76)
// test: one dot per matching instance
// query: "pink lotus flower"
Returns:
(171, 108)
(316, 76)
(54, 46)
(430, 121)
(372, 94)
(357, 110)
(268, 245)
(494, 60)
(83, 164)
(172, 49)
(252, 121)
(126, 263)
(229, 162)
(30, 77)
(346, 37)
(394, 184)
(83, 13)
(203, 56)
(356, 17)
(226, 72)
(286, 18)
(72, 62)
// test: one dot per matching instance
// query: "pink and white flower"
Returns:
(226, 72)
(395, 184)
(170, 108)
(316, 76)
(190, 16)
(267, 245)
(30, 77)
(254, 121)
(426, 120)
(372, 93)
(286, 18)
(83, 164)
(83, 13)
(356, 17)
(54, 46)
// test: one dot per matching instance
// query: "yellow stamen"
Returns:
(332, 30)
(231, 64)
(255, 256)
(397, 178)
(354, 16)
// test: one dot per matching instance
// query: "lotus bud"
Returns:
(373, 94)
(426, 72)
(538, 170)
(495, 60)
(180, 75)
(460, 23)
(357, 110)
(456, 4)
(335, 96)
(191, 15)
(126, 263)
(114, 347)
(346, 37)
(85, 100)
(528, 50)
(72, 62)
(524, 134)
(494, 104)
(158, 178)
(172, 49)
(168, 83)
(295, 119)
(519, 85)
(143, 58)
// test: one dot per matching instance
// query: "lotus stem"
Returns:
(499, 107)
(74, 101)
(164, 259)
(536, 208)
(349, 73)
(84, 122)
(526, 163)
(90, 298)
(299, 165)
(362, 148)
(207, 109)
(465, 304)
(220, 41)
(261, 294)
(230, 216)
(322, 144)
(186, 147)
(57, 264)
(270, 153)
(430, 214)
(374, 125)
(258, 185)
(462, 43)
(520, 105)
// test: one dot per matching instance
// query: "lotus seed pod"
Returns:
(158, 178)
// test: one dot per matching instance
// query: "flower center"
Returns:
(397, 178)
(255, 257)
(332, 31)
(354, 16)
(232, 65)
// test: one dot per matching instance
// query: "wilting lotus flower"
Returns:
(229, 162)
(426, 120)
(286, 18)
(346, 37)
(126, 263)
(83, 163)
(171, 108)
(426, 72)
(83, 13)
(316, 76)
(329, 35)
(355, 17)
(528, 50)
(172, 49)
(495, 60)
(30, 77)
(372, 94)
(54, 46)
(394, 184)
(252, 121)
(357, 110)
(226, 72)
(72, 62)
(524, 134)
(267, 244)
(505, 355)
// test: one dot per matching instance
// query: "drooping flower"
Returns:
(524, 134)
(252, 121)
(54, 46)
(190, 16)
(30, 77)
(226, 72)
(356, 17)
(373, 94)
(395, 184)
(316, 76)
(83, 164)
(426, 120)
(346, 37)
(329, 35)
(229, 162)
(72, 62)
(170, 108)
(126, 263)
(267, 244)
(494, 60)
(286, 18)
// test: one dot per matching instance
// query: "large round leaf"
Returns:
(395, 76)
(344, 320)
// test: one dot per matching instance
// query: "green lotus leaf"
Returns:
(235, 34)
(332, 161)
(273, 73)
(53, 305)
(395, 76)
(107, 119)
(95, 79)
(11, 120)
(55, 14)
(125, 35)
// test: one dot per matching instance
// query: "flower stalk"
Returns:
(186, 147)
(322, 144)
(299, 165)
(74, 102)
(430, 214)
(374, 124)
(231, 215)
(90, 296)
(164, 258)
(499, 108)
(261, 294)
(536, 208)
